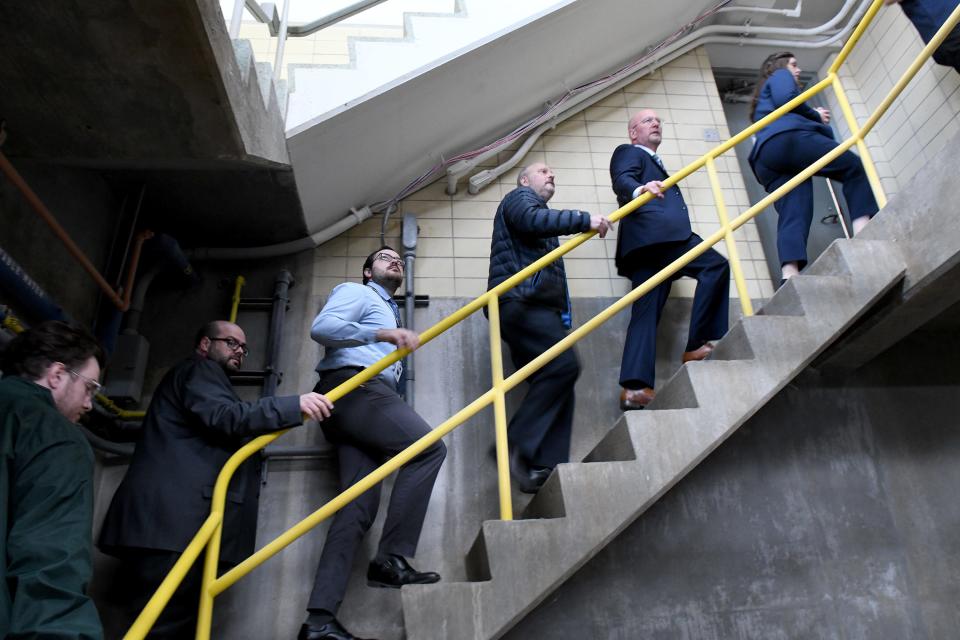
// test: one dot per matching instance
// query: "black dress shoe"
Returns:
(333, 630)
(395, 571)
(535, 479)
(528, 479)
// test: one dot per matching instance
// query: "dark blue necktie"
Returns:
(396, 312)
(398, 367)
(659, 162)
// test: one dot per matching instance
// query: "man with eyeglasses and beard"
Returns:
(46, 484)
(359, 325)
(194, 424)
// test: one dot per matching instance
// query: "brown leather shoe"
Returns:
(632, 399)
(698, 354)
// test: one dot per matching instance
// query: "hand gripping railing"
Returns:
(209, 534)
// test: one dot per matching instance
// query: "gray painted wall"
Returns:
(86, 208)
(831, 514)
(451, 371)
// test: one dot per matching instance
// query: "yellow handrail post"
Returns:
(499, 410)
(732, 254)
(210, 564)
(235, 300)
(865, 157)
(147, 618)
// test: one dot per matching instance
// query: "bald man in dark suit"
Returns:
(649, 239)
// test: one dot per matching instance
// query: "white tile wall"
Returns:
(920, 121)
(454, 243)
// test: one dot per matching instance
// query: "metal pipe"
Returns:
(836, 206)
(790, 13)
(313, 241)
(281, 287)
(281, 40)
(170, 251)
(235, 301)
(37, 205)
(107, 446)
(133, 229)
(482, 179)
(409, 238)
(333, 18)
(297, 453)
(123, 414)
(9, 321)
(672, 51)
(34, 300)
(132, 320)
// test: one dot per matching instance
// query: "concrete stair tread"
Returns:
(647, 452)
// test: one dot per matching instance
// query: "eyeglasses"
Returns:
(651, 120)
(232, 344)
(93, 387)
(386, 257)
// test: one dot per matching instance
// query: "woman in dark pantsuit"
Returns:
(789, 145)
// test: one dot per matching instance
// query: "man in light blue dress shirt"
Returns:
(359, 325)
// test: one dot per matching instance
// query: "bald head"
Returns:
(538, 177)
(223, 342)
(645, 128)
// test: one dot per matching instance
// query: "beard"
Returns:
(230, 363)
(389, 280)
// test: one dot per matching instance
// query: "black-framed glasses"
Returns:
(233, 345)
(386, 257)
(93, 387)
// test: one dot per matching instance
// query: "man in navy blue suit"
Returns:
(928, 16)
(649, 239)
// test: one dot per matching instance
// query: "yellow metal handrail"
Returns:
(209, 534)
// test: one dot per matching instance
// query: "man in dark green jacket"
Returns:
(46, 485)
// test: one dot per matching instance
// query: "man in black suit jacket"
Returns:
(194, 424)
(649, 239)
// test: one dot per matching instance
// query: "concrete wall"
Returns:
(920, 121)
(85, 206)
(455, 231)
(271, 602)
(831, 514)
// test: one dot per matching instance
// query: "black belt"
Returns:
(354, 368)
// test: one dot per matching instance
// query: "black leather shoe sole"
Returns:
(425, 578)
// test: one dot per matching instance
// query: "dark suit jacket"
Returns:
(665, 220)
(194, 424)
(779, 89)
(928, 15)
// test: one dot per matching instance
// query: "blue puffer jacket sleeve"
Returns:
(525, 230)
(527, 214)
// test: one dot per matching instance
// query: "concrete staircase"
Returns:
(265, 94)
(402, 24)
(513, 566)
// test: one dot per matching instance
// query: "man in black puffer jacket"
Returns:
(534, 316)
